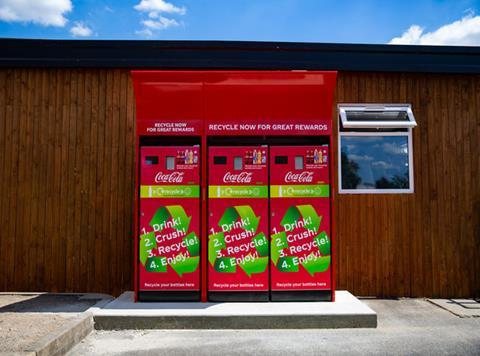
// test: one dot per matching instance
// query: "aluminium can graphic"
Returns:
(169, 242)
(300, 223)
(238, 223)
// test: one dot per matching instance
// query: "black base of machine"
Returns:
(170, 296)
(238, 296)
(301, 296)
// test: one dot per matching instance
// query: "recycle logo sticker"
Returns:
(169, 243)
(238, 243)
(300, 234)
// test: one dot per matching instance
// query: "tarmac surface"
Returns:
(405, 327)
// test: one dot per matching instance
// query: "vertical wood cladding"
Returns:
(67, 168)
(426, 243)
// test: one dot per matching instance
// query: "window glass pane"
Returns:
(377, 115)
(170, 163)
(374, 162)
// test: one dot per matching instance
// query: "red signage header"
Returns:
(234, 102)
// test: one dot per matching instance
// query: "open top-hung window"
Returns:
(375, 148)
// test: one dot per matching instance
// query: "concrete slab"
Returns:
(464, 308)
(346, 312)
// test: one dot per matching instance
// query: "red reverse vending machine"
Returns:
(300, 223)
(169, 223)
(233, 185)
(238, 247)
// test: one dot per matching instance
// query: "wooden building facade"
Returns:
(67, 131)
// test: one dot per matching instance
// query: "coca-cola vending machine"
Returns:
(238, 246)
(169, 223)
(300, 223)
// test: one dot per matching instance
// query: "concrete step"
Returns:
(346, 312)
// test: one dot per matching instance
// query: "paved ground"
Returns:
(408, 326)
(24, 319)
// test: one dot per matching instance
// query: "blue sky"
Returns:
(422, 22)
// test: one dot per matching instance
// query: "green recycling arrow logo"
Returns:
(306, 217)
(175, 217)
(238, 217)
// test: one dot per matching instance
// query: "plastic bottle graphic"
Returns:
(315, 157)
(259, 157)
(190, 157)
(254, 157)
(195, 158)
(185, 157)
(264, 157)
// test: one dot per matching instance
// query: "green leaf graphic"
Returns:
(291, 216)
(309, 211)
(189, 265)
(225, 265)
(216, 242)
(177, 212)
(278, 243)
(288, 264)
(147, 243)
(160, 217)
(247, 214)
(261, 243)
(323, 243)
(229, 216)
(258, 265)
(318, 264)
(156, 264)
(193, 248)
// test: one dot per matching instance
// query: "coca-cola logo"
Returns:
(304, 177)
(174, 177)
(243, 177)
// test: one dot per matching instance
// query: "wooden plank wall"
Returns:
(426, 243)
(66, 173)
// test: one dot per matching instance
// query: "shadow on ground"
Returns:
(45, 303)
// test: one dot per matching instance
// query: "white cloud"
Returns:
(43, 12)
(81, 30)
(154, 7)
(145, 32)
(395, 149)
(463, 32)
(382, 164)
(156, 21)
(360, 157)
(160, 24)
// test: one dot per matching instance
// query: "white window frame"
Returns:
(343, 109)
(407, 134)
